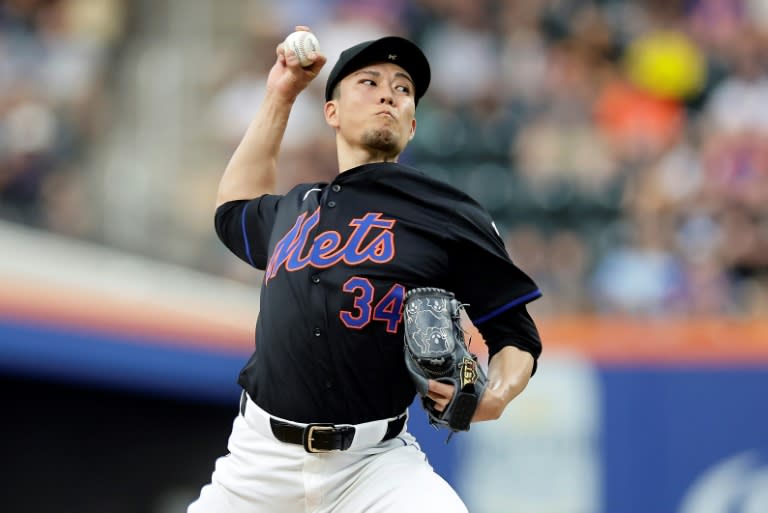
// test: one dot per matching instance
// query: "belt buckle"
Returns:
(309, 432)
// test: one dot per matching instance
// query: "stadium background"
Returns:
(620, 146)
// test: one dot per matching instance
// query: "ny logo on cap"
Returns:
(392, 57)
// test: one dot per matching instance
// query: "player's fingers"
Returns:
(440, 389)
(440, 402)
(302, 27)
(291, 59)
(280, 52)
(440, 393)
(318, 61)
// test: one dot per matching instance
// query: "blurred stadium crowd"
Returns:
(621, 146)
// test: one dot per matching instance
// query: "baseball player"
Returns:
(322, 421)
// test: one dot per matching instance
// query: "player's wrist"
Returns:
(491, 406)
(279, 96)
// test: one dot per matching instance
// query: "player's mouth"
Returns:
(385, 113)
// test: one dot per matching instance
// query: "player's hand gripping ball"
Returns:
(302, 43)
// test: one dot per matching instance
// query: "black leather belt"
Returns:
(321, 437)
(326, 437)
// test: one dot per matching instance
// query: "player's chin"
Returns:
(383, 139)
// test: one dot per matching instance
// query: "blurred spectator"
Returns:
(465, 46)
(757, 13)
(556, 149)
(52, 64)
(740, 101)
(667, 64)
(637, 125)
(569, 266)
(717, 23)
(30, 133)
(640, 276)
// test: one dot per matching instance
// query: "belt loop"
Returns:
(395, 427)
(243, 402)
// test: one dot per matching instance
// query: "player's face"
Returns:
(376, 109)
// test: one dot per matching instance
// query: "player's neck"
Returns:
(350, 158)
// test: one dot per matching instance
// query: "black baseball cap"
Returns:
(394, 49)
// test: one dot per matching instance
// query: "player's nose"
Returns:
(387, 99)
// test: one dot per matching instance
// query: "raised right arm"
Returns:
(252, 168)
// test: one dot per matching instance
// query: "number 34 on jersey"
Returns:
(388, 309)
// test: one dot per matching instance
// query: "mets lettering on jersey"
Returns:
(328, 248)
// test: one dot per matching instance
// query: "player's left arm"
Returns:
(514, 347)
(508, 373)
(513, 341)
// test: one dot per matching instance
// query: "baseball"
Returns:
(302, 43)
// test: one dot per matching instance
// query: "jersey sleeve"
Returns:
(482, 274)
(244, 226)
(513, 327)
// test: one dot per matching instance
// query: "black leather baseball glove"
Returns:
(435, 349)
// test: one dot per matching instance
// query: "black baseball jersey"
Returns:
(338, 259)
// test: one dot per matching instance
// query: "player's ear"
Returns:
(413, 130)
(331, 111)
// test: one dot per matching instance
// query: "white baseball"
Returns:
(302, 43)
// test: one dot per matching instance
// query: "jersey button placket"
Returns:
(316, 331)
(315, 279)
(335, 188)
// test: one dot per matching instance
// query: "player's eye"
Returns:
(403, 89)
(368, 81)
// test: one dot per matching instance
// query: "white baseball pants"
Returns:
(263, 475)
